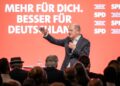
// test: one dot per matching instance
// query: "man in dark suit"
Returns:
(53, 74)
(75, 44)
(17, 73)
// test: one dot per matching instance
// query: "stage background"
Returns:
(33, 48)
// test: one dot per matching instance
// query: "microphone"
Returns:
(69, 40)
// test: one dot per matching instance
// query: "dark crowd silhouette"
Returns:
(13, 74)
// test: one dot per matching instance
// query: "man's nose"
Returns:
(68, 33)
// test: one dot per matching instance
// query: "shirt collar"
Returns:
(77, 38)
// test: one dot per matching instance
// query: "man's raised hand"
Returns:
(43, 30)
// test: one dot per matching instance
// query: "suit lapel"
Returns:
(68, 50)
(80, 42)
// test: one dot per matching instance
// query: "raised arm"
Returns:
(51, 39)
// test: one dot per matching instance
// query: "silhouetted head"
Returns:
(115, 64)
(57, 84)
(4, 66)
(81, 74)
(95, 82)
(38, 75)
(110, 74)
(70, 74)
(16, 62)
(118, 59)
(51, 61)
(85, 60)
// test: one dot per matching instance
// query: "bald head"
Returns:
(73, 30)
(74, 26)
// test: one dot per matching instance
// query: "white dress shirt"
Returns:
(75, 41)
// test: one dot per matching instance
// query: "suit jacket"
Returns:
(18, 74)
(54, 75)
(82, 48)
